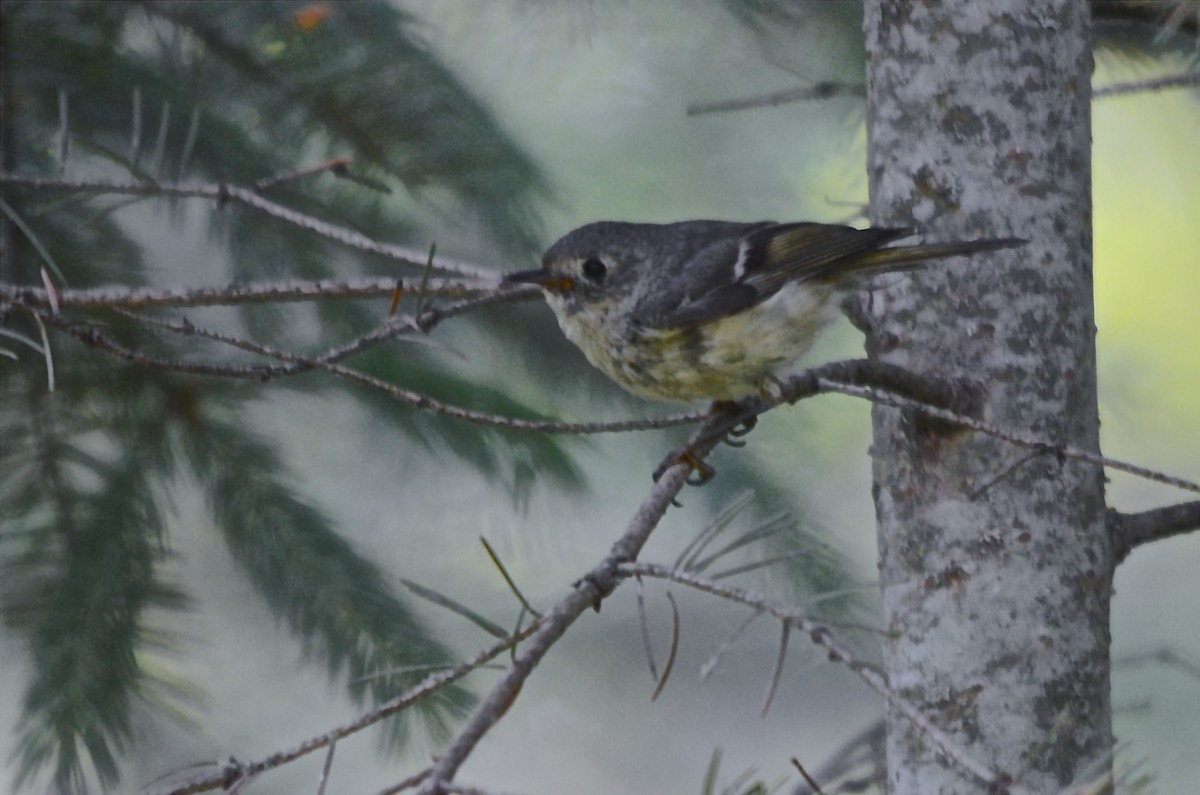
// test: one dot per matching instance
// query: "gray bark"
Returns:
(996, 604)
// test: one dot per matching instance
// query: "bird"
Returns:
(714, 310)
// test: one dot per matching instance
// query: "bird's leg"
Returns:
(701, 472)
(739, 430)
(738, 424)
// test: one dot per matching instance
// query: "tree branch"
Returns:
(255, 292)
(222, 193)
(1129, 530)
(1018, 439)
(589, 591)
(233, 772)
(828, 90)
(825, 90)
(821, 636)
(855, 377)
(952, 402)
(1183, 80)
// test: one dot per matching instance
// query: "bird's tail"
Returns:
(899, 258)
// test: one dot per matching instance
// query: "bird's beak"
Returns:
(542, 278)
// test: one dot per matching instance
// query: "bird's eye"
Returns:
(595, 269)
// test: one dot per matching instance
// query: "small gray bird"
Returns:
(712, 309)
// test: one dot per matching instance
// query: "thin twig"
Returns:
(337, 165)
(93, 337)
(807, 778)
(821, 636)
(392, 328)
(429, 685)
(829, 90)
(825, 90)
(327, 767)
(589, 591)
(928, 394)
(1166, 657)
(247, 196)
(249, 293)
(1006, 472)
(1156, 84)
(1020, 440)
(407, 783)
(866, 747)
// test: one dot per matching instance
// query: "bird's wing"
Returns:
(734, 274)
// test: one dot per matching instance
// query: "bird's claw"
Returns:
(701, 472)
(742, 429)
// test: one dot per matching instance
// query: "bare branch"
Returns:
(821, 636)
(589, 591)
(223, 193)
(394, 326)
(327, 767)
(455, 789)
(92, 336)
(1020, 440)
(1157, 84)
(829, 90)
(1164, 656)
(407, 783)
(812, 784)
(254, 292)
(234, 772)
(1129, 530)
(925, 394)
(338, 166)
(825, 90)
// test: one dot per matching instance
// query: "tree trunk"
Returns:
(996, 569)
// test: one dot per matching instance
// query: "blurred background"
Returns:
(200, 567)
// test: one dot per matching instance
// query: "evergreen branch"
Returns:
(79, 592)
(433, 133)
(222, 193)
(336, 601)
(821, 636)
(1130, 530)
